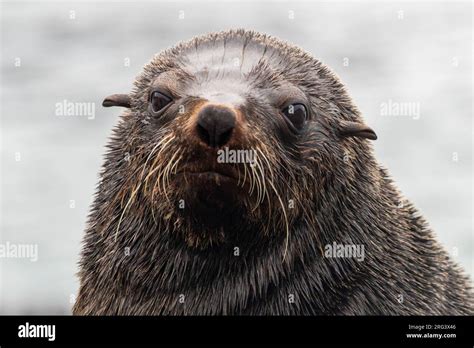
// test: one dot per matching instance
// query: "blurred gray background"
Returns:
(393, 51)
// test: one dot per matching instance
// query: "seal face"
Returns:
(240, 93)
(239, 159)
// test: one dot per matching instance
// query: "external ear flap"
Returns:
(354, 129)
(117, 100)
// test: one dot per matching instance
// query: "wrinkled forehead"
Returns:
(220, 71)
(224, 58)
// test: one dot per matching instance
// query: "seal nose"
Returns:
(215, 124)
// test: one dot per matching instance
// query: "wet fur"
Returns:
(339, 191)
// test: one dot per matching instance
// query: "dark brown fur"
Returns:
(143, 254)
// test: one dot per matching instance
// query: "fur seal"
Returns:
(175, 231)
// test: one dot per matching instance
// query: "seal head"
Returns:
(238, 161)
(230, 127)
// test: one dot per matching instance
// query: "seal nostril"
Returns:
(224, 137)
(215, 125)
(203, 134)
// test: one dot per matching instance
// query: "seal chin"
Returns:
(211, 177)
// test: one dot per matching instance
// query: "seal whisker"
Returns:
(134, 192)
(167, 171)
(159, 143)
(162, 170)
(257, 181)
(250, 178)
(287, 229)
(269, 167)
(238, 174)
(269, 203)
(261, 181)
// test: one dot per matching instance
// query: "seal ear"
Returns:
(355, 129)
(117, 100)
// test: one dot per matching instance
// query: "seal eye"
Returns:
(296, 113)
(159, 101)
